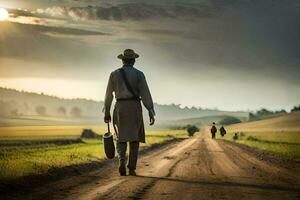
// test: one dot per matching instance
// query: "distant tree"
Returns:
(252, 116)
(192, 130)
(260, 114)
(41, 110)
(75, 112)
(61, 110)
(280, 111)
(264, 112)
(4, 109)
(14, 112)
(230, 120)
(296, 109)
(26, 106)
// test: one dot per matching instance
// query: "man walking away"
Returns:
(130, 88)
(213, 131)
(222, 131)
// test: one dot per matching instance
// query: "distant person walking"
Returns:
(222, 131)
(130, 88)
(213, 130)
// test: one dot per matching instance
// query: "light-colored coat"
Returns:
(127, 115)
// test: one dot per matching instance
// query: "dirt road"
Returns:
(196, 168)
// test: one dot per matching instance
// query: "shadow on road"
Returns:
(225, 183)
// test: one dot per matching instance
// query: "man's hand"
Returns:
(107, 119)
(152, 120)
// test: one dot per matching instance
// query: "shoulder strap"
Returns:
(127, 83)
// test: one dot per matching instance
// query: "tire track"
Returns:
(211, 171)
(140, 193)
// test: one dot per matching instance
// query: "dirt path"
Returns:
(196, 168)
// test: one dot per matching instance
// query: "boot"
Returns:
(122, 168)
(132, 172)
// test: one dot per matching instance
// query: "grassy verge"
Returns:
(17, 162)
(45, 132)
(285, 143)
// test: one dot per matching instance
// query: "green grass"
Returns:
(285, 143)
(45, 132)
(46, 121)
(290, 150)
(17, 162)
(21, 161)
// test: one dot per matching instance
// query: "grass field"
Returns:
(45, 132)
(19, 161)
(286, 143)
(46, 121)
(280, 134)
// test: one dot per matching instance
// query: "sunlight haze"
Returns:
(212, 54)
(3, 14)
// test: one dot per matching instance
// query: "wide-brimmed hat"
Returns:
(128, 54)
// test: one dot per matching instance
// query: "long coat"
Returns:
(127, 115)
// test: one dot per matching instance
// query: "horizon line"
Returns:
(94, 100)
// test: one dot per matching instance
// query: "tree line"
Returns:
(10, 109)
(265, 113)
(61, 110)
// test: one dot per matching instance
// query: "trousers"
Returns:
(133, 153)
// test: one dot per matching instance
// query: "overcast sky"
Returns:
(226, 54)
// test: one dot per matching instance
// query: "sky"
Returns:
(225, 54)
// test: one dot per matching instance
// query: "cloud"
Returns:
(237, 36)
(226, 45)
(37, 28)
(38, 22)
(24, 16)
(131, 11)
(62, 30)
(19, 12)
(47, 44)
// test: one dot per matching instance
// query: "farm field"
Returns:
(45, 132)
(280, 134)
(47, 121)
(22, 155)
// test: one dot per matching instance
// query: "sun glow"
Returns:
(3, 14)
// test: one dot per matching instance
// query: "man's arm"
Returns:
(146, 97)
(108, 99)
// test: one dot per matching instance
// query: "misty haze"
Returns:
(205, 94)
